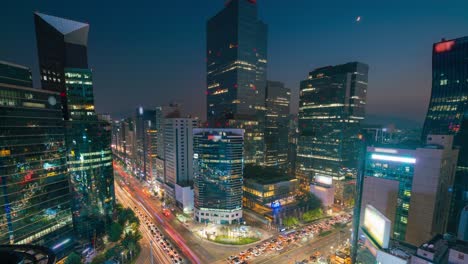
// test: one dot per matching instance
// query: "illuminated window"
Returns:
(444, 82)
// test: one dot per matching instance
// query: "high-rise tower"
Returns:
(236, 73)
(447, 113)
(331, 108)
(63, 61)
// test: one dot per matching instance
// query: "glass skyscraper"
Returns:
(218, 175)
(63, 60)
(448, 113)
(331, 108)
(277, 124)
(34, 186)
(236, 73)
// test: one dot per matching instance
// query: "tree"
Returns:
(290, 221)
(99, 259)
(312, 215)
(309, 200)
(73, 258)
(115, 232)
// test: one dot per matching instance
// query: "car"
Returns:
(257, 254)
(279, 248)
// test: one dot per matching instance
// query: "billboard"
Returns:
(325, 180)
(377, 226)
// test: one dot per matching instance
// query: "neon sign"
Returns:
(444, 46)
(393, 158)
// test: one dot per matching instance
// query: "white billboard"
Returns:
(377, 226)
(325, 180)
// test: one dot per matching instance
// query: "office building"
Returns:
(178, 158)
(145, 129)
(63, 62)
(218, 169)
(35, 191)
(447, 110)
(236, 73)
(277, 124)
(268, 191)
(331, 108)
(172, 110)
(410, 187)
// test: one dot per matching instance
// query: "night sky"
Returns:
(152, 52)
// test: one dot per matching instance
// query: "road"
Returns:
(197, 250)
(182, 238)
(159, 256)
(301, 251)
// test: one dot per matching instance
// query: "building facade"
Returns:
(447, 112)
(277, 99)
(218, 169)
(63, 62)
(35, 192)
(411, 187)
(331, 108)
(178, 155)
(236, 73)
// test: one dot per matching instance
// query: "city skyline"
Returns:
(107, 156)
(404, 37)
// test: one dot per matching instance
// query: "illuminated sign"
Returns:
(377, 226)
(393, 158)
(326, 180)
(385, 150)
(444, 46)
(61, 243)
(140, 110)
(215, 138)
(275, 204)
(195, 155)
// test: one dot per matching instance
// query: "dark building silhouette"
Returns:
(236, 73)
(447, 113)
(63, 61)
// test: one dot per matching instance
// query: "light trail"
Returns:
(147, 206)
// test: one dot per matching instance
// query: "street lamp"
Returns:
(121, 254)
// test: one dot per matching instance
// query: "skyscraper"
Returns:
(218, 170)
(145, 122)
(34, 187)
(447, 112)
(277, 124)
(331, 108)
(236, 73)
(63, 61)
(410, 186)
(178, 154)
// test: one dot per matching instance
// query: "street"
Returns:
(131, 191)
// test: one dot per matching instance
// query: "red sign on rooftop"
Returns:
(444, 46)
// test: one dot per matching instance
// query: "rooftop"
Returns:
(265, 175)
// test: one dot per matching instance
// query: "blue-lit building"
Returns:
(218, 169)
(35, 195)
(236, 73)
(448, 113)
(410, 186)
(331, 108)
(63, 61)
